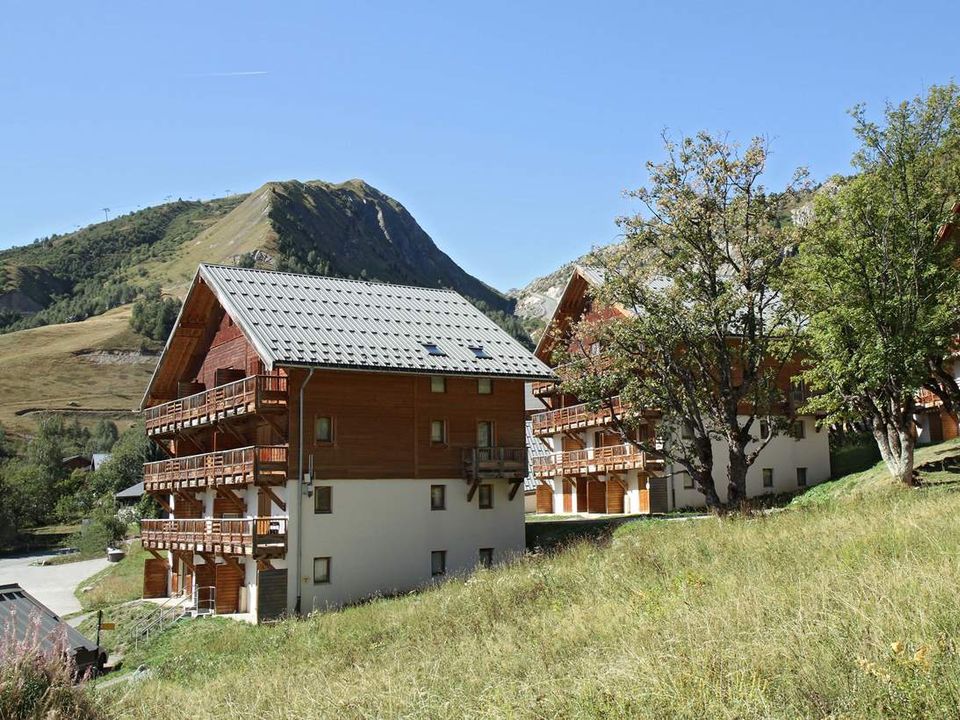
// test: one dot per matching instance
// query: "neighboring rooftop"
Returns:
(331, 322)
(33, 622)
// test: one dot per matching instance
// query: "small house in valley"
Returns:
(330, 440)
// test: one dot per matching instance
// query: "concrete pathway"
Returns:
(52, 585)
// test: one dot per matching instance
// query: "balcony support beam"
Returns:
(238, 503)
(473, 489)
(163, 503)
(273, 496)
(158, 556)
(514, 486)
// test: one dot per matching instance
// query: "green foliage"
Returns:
(246, 260)
(707, 331)
(125, 466)
(153, 315)
(879, 287)
(103, 436)
(103, 530)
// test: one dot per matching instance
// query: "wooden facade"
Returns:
(230, 424)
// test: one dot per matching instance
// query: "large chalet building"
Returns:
(330, 440)
(584, 466)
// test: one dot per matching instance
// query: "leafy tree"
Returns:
(125, 466)
(245, 260)
(875, 277)
(154, 315)
(707, 336)
(103, 437)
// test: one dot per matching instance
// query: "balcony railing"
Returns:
(258, 465)
(485, 463)
(927, 399)
(577, 417)
(594, 461)
(254, 394)
(255, 537)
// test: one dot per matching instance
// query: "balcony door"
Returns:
(485, 437)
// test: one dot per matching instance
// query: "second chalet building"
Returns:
(583, 466)
(330, 440)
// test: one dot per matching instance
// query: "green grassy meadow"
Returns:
(843, 605)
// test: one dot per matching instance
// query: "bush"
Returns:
(36, 685)
(104, 530)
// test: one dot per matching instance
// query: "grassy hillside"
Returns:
(91, 369)
(843, 607)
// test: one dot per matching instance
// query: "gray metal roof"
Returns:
(32, 620)
(133, 492)
(331, 322)
(535, 448)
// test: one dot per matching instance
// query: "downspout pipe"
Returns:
(303, 386)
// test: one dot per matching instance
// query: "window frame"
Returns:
(763, 476)
(765, 429)
(800, 434)
(493, 433)
(433, 383)
(687, 478)
(331, 427)
(443, 498)
(318, 491)
(325, 581)
(443, 432)
(489, 386)
(480, 490)
(802, 471)
(442, 555)
(686, 431)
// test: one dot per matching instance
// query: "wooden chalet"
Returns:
(330, 439)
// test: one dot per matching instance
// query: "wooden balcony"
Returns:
(578, 417)
(927, 400)
(594, 461)
(262, 537)
(251, 395)
(256, 465)
(488, 463)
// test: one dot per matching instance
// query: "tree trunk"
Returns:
(896, 444)
(704, 481)
(736, 475)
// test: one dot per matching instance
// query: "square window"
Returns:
(799, 430)
(801, 477)
(768, 477)
(433, 349)
(686, 431)
(486, 557)
(438, 432)
(485, 386)
(438, 384)
(323, 429)
(438, 497)
(486, 496)
(479, 352)
(438, 563)
(321, 570)
(687, 480)
(322, 500)
(764, 429)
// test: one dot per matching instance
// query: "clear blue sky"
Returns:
(509, 130)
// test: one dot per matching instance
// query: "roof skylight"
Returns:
(480, 352)
(433, 349)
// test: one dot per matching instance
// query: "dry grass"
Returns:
(840, 609)
(45, 368)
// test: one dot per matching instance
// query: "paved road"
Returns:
(53, 585)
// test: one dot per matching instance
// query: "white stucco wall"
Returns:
(784, 454)
(381, 533)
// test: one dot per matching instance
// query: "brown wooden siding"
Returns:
(544, 499)
(596, 496)
(154, 578)
(615, 495)
(229, 578)
(381, 423)
(271, 594)
(567, 496)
